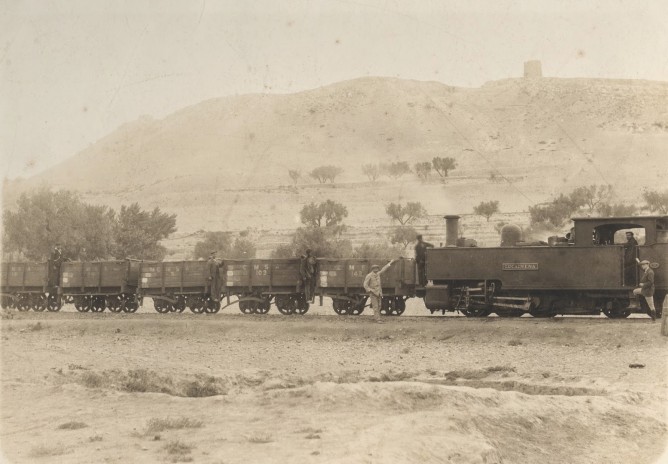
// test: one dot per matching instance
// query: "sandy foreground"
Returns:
(231, 388)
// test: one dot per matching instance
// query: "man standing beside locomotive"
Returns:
(373, 286)
(646, 288)
(421, 259)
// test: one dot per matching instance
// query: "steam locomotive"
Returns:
(584, 275)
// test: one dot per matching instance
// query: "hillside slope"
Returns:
(222, 162)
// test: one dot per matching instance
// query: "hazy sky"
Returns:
(73, 71)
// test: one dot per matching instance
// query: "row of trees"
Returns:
(423, 170)
(224, 245)
(85, 231)
(593, 200)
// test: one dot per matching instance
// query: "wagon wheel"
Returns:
(247, 306)
(614, 309)
(340, 306)
(114, 303)
(400, 306)
(180, 304)
(285, 304)
(82, 303)
(97, 305)
(387, 306)
(301, 305)
(211, 306)
(53, 303)
(5, 302)
(263, 306)
(129, 303)
(196, 303)
(161, 305)
(39, 302)
(357, 306)
(23, 303)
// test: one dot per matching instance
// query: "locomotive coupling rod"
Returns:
(507, 305)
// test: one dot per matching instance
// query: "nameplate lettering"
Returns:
(520, 266)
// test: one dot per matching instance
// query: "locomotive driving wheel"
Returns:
(542, 307)
(616, 309)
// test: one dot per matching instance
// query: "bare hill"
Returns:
(223, 163)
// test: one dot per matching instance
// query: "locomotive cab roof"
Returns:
(601, 230)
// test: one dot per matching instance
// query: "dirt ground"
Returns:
(319, 388)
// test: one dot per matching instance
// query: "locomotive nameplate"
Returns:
(519, 266)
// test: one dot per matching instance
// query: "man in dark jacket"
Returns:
(307, 271)
(421, 259)
(55, 261)
(214, 277)
(646, 288)
(630, 251)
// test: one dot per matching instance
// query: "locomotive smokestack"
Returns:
(451, 230)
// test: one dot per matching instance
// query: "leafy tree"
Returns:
(220, 242)
(43, 218)
(372, 171)
(403, 235)
(284, 251)
(398, 169)
(590, 196)
(243, 248)
(423, 170)
(322, 241)
(495, 176)
(325, 214)
(384, 169)
(138, 232)
(553, 214)
(326, 173)
(656, 202)
(379, 250)
(616, 210)
(405, 214)
(295, 175)
(443, 165)
(487, 209)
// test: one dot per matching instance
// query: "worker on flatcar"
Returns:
(55, 261)
(214, 276)
(421, 259)
(630, 251)
(646, 288)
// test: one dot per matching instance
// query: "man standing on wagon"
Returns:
(374, 287)
(214, 277)
(421, 259)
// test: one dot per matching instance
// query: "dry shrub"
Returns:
(142, 381)
(41, 451)
(159, 425)
(178, 451)
(92, 380)
(72, 425)
(36, 327)
(260, 437)
(515, 342)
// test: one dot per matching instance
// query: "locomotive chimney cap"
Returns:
(451, 216)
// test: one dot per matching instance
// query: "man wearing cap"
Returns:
(630, 259)
(373, 286)
(421, 259)
(646, 288)
(214, 277)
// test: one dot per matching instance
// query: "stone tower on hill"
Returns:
(533, 69)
